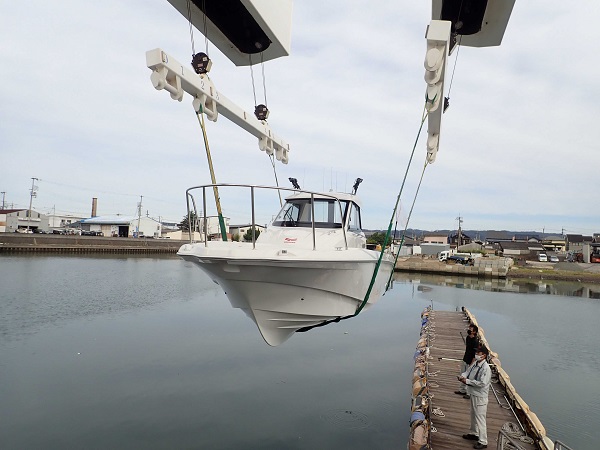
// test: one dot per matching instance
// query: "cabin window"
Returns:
(354, 218)
(298, 213)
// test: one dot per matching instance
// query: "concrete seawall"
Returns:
(50, 243)
(482, 267)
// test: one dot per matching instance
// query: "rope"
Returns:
(513, 430)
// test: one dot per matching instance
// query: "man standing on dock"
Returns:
(471, 344)
(477, 381)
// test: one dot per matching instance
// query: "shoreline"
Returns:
(488, 268)
(497, 268)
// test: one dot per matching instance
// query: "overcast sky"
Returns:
(519, 146)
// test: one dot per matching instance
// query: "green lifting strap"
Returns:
(389, 230)
(387, 286)
(387, 237)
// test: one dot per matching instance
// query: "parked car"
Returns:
(91, 233)
(553, 258)
(543, 257)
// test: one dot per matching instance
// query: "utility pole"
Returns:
(31, 195)
(139, 216)
(459, 235)
(3, 195)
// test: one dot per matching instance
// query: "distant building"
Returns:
(526, 237)
(518, 248)
(576, 242)
(435, 238)
(59, 222)
(407, 246)
(493, 237)
(464, 240)
(242, 229)
(122, 226)
(12, 220)
(213, 229)
(4, 218)
(555, 243)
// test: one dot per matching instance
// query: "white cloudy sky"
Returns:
(518, 147)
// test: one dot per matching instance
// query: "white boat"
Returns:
(309, 267)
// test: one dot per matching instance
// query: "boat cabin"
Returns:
(329, 211)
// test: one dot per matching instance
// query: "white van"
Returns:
(542, 257)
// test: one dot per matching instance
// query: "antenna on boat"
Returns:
(356, 184)
(294, 183)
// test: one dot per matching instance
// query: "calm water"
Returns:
(147, 353)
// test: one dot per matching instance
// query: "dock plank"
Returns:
(446, 351)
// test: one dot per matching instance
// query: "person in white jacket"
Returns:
(477, 380)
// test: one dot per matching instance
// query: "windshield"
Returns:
(298, 213)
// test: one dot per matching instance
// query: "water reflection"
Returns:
(551, 287)
(148, 353)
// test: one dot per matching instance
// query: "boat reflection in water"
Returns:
(309, 267)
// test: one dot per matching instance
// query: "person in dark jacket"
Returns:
(471, 344)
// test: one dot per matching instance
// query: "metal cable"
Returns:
(272, 158)
(205, 25)
(454, 68)
(262, 64)
(189, 11)
(252, 76)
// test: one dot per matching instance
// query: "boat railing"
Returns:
(560, 446)
(192, 209)
(506, 441)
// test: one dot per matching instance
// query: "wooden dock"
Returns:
(449, 413)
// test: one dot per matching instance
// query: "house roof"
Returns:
(498, 236)
(526, 236)
(434, 234)
(518, 245)
(113, 220)
(464, 235)
(574, 238)
(8, 211)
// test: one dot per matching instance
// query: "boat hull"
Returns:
(282, 295)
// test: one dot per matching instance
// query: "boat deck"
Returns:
(446, 351)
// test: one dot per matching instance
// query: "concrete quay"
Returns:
(491, 267)
(54, 243)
